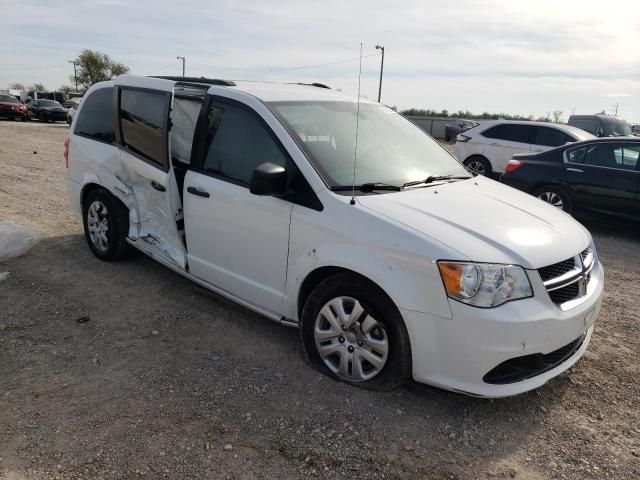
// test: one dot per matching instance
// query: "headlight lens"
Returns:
(484, 284)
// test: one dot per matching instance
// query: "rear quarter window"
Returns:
(95, 119)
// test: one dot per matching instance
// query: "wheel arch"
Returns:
(317, 276)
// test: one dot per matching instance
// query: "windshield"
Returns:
(8, 99)
(616, 129)
(391, 149)
(48, 103)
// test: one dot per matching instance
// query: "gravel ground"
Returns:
(119, 370)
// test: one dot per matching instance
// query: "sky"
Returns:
(511, 56)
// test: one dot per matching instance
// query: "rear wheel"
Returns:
(479, 165)
(106, 224)
(353, 332)
(555, 196)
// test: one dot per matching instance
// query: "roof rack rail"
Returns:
(208, 81)
(314, 84)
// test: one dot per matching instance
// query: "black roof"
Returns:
(207, 81)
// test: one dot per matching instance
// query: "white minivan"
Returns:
(487, 148)
(398, 265)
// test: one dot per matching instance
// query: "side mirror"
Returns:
(269, 179)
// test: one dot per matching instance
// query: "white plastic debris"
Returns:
(4, 276)
(15, 240)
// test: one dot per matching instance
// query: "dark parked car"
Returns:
(599, 175)
(10, 107)
(601, 125)
(47, 110)
(452, 130)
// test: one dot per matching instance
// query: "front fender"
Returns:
(412, 283)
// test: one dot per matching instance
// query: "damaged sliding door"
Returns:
(154, 206)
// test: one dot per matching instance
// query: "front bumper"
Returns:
(13, 114)
(457, 353)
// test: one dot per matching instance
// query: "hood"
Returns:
(486, 222)
(54, 109)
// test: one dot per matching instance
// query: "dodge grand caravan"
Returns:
(400, 264)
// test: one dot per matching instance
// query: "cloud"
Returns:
(618, 95)
(462, 54)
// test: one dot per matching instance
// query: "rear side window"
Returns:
(237, 143)
(551, 137)
(143, 118)
(509, 132)
(95, 120)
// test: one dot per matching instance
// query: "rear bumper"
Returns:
(457, 353)
(514, 182)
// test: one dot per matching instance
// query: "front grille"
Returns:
(565, 294)
(528, 366)
(585, 253)
(557, 269)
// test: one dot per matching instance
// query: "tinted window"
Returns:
(551, 137)
(509, 132)
(237, 143)
(96, 118)
(48, 103)
(612, 155)
(576, 155)
(142, 120)
(8, 99)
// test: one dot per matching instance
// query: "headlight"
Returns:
(484, 284)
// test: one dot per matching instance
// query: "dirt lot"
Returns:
(170, 381)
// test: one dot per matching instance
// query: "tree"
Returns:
(556, 115)
(93, 67)
(17, 86)
(66, 89)
(39, 87)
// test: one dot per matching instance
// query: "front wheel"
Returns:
(353, 332)
(555, 196)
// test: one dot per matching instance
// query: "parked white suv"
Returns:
(487, 148)
(415, 269)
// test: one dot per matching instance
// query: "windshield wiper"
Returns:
(367, 187)
(435, 178)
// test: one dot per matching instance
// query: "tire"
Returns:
(106, 225)
(480, 165)
(556, 196)
(379, 327)
(447, 138)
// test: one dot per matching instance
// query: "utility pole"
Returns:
(183, 62)
(75, 74)
(381, 48)
(616, 112)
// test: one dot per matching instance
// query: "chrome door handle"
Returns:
(577, 170)
(495, 144)
(537, 150)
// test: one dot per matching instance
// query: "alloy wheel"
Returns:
(350, 341)
(551, 198)
(98, 225)
(476, 166)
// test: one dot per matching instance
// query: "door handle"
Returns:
(537, 149)
(198, 192)
(157, 186)
(495, 144)
(577, 170)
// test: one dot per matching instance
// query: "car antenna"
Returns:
(355, 152)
